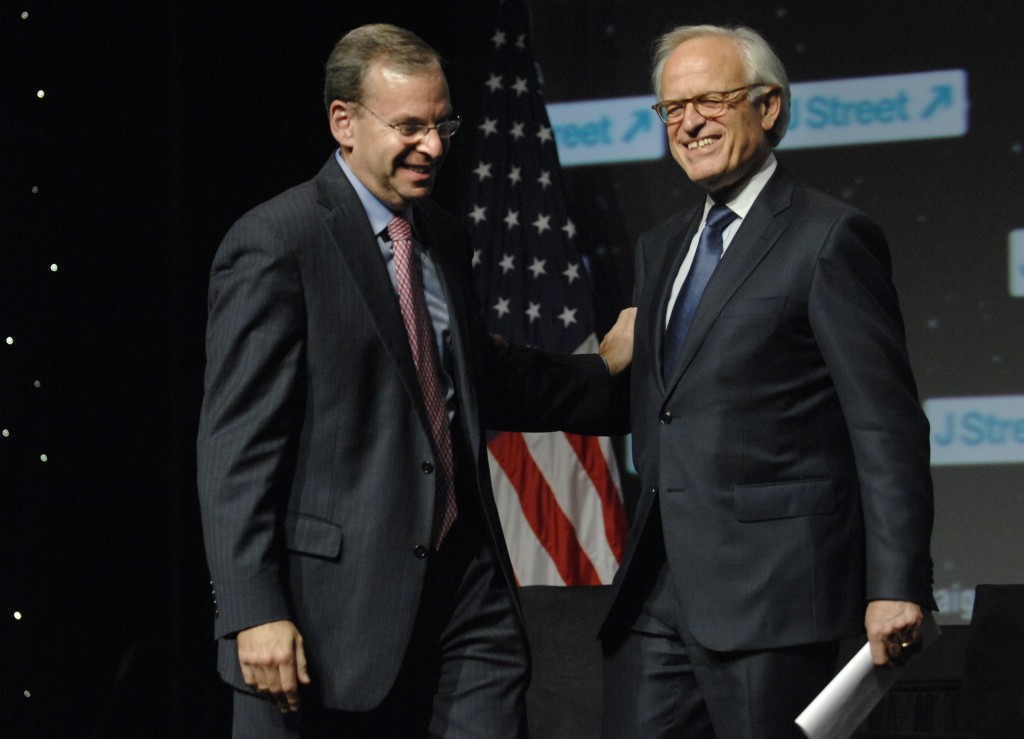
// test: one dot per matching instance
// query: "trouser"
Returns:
(660, 683)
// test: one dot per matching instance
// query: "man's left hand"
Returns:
(894, 629)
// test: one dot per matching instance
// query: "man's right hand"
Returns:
(617, 344)
(274, 663)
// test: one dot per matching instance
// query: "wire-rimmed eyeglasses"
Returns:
(418, 131)
(708, 105)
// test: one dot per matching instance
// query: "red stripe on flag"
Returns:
(545, 516)
(591, 456)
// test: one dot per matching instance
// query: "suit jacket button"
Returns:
(420, 551)
(427, 467)
(666, 417)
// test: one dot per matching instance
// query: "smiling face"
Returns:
(719, 154)
(398, 170)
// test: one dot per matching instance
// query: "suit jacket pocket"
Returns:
(783, 500)
(754, 307)
(313, 536)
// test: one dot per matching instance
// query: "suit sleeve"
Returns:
(249, 420)
(525, 389)
(855, 316)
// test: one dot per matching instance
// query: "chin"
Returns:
(703, 172)
(418, 193)
(418, 187)
(710, 182)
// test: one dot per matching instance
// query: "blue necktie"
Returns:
(709, 252)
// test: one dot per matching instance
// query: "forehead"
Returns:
(702, 64)
(387, 87)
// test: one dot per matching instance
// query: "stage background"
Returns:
(132, 135)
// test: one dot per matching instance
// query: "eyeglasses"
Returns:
(708, 105)
(418, 131)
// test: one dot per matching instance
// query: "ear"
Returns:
(771, 106)
(340, 115)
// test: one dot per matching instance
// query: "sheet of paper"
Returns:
(845, 702)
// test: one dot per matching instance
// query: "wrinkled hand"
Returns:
(274, 662)
(894, 630)
(617, 345)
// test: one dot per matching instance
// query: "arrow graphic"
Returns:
(641, 122)
(943, 99)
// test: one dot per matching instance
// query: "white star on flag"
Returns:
(478, 214)
(572, 272)
(483, 171)
(489, 127)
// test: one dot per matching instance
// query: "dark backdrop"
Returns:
(161, 122)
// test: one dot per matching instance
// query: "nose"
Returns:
(692, 120)
(431, 143)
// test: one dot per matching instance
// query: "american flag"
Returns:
(559, 494)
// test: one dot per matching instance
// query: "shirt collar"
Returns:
(743, 201)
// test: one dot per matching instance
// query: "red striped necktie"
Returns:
(421, 340)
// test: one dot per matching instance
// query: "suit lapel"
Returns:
(351, 233)
(757, 234)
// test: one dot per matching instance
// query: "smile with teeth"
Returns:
(701, 143)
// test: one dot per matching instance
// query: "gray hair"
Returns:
(761, 62)
(359, 49)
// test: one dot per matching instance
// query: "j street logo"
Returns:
(977, 430)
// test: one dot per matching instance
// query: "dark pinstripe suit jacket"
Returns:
(313, 433)
(787, 455)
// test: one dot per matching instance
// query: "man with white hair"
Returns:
(786, 494)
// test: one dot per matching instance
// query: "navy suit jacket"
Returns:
(788, 454)
(314, 449)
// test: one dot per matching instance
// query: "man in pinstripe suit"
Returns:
(339, 607)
